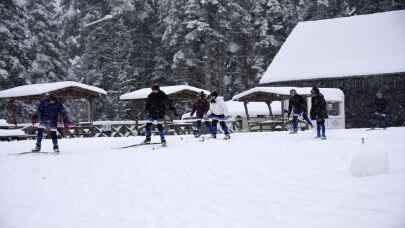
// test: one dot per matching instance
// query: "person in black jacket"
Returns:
(200, 108)
(298, 106)
(318, 112)
(156, 105)
(48, 112)
(379, 117)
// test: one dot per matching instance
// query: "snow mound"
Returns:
(369, 163)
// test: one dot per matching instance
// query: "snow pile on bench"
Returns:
(342, 47)
(43, 88)
(3, 123)
(11, 132)
(144, 93)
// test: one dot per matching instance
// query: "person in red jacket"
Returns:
(200, 108)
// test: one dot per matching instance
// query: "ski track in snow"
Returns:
(253, 180)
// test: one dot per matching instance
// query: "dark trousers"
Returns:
(198, 126)
(320, 127)
(40, 135)
(295, 120)
(148, 130)
(213, 128)
(379, 120)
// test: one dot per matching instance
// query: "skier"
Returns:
(156, 105)
(48, 113)
(200, 108)
(298, 105)
(217, 112)
(318, 112)
(379, 117)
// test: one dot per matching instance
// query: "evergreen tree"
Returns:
(50, 62)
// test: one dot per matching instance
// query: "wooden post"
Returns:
(282, 109)
(90, 109)
(13, 111)
(245, 103)
(268, 103)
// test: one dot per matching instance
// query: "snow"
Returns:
(370, 163)
(3, 123)
(254, 180)
(144, 93)
(343, 47)
(236, 108)
(330, 94)
(11, 132)
(39, 89)
(106, 17)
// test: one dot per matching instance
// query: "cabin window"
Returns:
(333, 108)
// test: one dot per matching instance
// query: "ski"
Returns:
(375, 129)
(36, 152)
(136, 145)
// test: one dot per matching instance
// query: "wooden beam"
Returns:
(246, 110)
(90, 109)
(282, 110)
(268, 103)
(13, 110)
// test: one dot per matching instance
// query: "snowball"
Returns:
(369, 163)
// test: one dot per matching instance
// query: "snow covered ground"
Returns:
(253, 180)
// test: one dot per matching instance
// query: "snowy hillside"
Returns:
(253, 180)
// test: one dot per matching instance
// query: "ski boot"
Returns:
(146, 141)
(294, 131)
(213, 136)
(227, 137)
(164, 143)
(56, 149)
(323, 137)
(36, 149)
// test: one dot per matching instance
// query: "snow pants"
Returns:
(320, 127)
(295, 120)
(379, 120)
(40, 135)
(215, 119)
(148, 128)
(198, 125)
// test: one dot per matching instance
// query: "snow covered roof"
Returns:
(343, 47)
(330, 94)
(43, 88)
(169, 90)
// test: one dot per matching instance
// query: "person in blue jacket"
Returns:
(48, 112)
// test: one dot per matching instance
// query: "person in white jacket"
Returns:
(217, 112)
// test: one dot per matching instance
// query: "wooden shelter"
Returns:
(62, 90)
(182, 94)
(269, 94)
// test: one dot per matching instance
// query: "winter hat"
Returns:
(155, 86)
(293, 90)
(315, 89)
